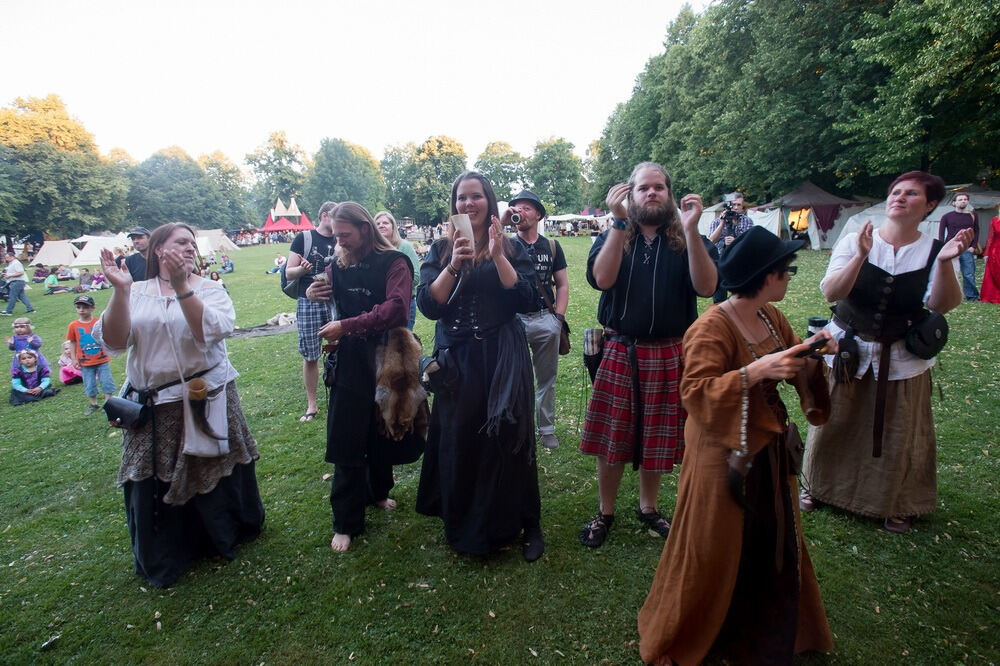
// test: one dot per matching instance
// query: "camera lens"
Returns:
(515, 218)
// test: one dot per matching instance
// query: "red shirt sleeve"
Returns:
(391, 313)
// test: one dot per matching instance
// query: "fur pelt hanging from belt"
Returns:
(399, 396)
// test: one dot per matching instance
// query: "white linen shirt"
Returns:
(912, 257)
(157, 322)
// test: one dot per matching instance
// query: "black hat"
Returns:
(528, 195)
(751, 254)
(138, 231)
(83, 298)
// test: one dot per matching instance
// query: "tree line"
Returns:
(54, 181)
(757, 96)
(748, 95)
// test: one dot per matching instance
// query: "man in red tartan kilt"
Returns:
(650, 266)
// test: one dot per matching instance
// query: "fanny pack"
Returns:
(927, 337)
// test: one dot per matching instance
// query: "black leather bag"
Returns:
(125, 413)
(927, 337)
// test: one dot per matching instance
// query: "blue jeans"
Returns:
(967, 262)
(92, 374)
(17, 292)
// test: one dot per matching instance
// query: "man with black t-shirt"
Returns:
(136, 262)
(310, 316)
(543, 326)
(650, 267)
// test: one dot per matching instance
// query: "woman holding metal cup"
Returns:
(188, 471)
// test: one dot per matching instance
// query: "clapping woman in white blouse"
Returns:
(188, 470)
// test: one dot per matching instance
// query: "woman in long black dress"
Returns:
(479, 472)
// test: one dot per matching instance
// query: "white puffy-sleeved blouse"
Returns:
(158, 322)
(902, 364)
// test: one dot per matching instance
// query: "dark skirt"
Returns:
(18, 398)
(197, 507)
(168, 539)
(484, 488)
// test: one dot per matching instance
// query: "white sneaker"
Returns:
(550, 441)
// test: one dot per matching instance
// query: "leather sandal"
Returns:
(655, 521)
(593, 534)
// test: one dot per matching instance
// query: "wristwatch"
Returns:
(618, 224)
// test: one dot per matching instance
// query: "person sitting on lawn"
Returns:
(52, 285)
(68, 373)
(227, 265)
(30, 382)
(99, 282)
(41, 272)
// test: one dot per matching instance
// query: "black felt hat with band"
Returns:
(528, 195)
(751, 254)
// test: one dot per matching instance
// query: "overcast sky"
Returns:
(210, 75)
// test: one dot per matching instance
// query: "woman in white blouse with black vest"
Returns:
(876, 456)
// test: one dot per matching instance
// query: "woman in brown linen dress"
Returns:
(735, 578)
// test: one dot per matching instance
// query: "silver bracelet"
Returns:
(744, 408)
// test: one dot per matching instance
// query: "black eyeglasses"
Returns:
(791, 270)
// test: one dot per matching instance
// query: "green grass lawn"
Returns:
(68, 593)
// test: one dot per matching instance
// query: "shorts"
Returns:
(310, 316)
(92, 374)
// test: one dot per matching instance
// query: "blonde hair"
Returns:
(22, 321)
(394, 237)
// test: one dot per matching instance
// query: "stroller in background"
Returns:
(4, 290)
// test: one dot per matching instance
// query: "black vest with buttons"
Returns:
(359, 288)
(882, 306)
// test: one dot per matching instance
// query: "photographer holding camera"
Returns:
(726, 228)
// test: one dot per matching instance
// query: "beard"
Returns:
(653, 216)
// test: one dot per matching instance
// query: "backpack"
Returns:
(291, 287)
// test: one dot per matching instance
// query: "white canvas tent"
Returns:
(217, 240)
(90, 255)
(55, 253)
(986, 204)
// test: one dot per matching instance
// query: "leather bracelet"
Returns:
(618, 224)
(451, 270)
(186, 295)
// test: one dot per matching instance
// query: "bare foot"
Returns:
(340, 542)
(388, 504)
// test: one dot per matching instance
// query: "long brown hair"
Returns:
(357, 215)
(483, 251)
(159, 237)
(672, 230)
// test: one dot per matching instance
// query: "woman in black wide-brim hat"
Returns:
(735, 578)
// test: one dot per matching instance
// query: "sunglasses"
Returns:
(791, 270)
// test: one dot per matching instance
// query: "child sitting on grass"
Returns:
(67, 373)
(30, 382)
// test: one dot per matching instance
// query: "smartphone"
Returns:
(814, 347)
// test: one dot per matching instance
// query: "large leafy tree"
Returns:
(32, 119)
(503, 167)
(170, 186)
(938, 107)
(438, 161)
(342, 171)
(399, 170)
(66, 193)
(554, 173)
(277, 167)
(230, 186)
(12, 198)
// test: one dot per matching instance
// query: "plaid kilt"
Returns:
(609, 431)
